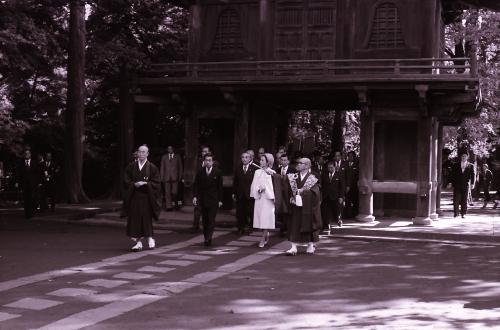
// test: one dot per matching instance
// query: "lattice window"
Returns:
(386, 28)
(228, 34)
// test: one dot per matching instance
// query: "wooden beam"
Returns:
(397, 187)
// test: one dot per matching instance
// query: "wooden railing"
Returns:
(310, 69)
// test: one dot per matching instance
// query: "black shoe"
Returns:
(339, 222)
(463, 216)
(207, 242)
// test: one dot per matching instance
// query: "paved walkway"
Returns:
(481, 226)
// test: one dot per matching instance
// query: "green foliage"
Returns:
(318, 124)
(478, 134)
(33, 54)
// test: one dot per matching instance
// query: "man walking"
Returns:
(197, 212)
(281, 213)
(352, 192)
(207, 192)
(49, 171)
(304, 222)
(485, 178)
(463, 178)
(29, 180)
(242, 181)
(332, 192)
(171, 174)
(142, 180)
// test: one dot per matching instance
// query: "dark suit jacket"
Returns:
(29, 177)
(461, 179)
(208, 188)
(48, 172)
(352, 175)
(242, 181)
(335, 188)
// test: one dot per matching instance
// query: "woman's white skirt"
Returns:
(263, 214)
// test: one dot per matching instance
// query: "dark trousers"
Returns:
(29, 202)
(351, 203)
(331, 211)
(486, 191)
(196, 217)
(244, 212)
(48, 197)
(460, 200)
(208, 214)
(281, 218)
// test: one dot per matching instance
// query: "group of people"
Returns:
(299, 195)
(36, 178)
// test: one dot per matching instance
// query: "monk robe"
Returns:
(142, 204)
(304, 223)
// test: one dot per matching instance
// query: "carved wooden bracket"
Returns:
(422, 99)
(363, 99)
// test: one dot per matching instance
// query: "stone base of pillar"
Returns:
(365, 218)
(422, 221)
(434, 216)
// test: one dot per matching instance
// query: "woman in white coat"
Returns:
(263, 192)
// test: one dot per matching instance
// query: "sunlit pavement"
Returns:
(58, 276)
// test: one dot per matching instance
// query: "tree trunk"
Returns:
(126, 130)
(75, 106)
(338, 131)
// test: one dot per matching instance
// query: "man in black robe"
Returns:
(304, 223)
(143, 202)
(207, 192)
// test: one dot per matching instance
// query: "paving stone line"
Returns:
(160, 290)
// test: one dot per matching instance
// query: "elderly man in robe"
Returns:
(304, 222)
(142, 179)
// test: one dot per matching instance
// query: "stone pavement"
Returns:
(481, 226)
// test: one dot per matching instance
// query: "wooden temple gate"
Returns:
(253, 61)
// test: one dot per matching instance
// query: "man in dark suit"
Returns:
(333, 192)
(171, 174)
(352, 192)
(318, 165)
(242, 181)
(29, 180)
(207, 192)
(49, 171)
(462, 178)
(284, 170)
(197, 212)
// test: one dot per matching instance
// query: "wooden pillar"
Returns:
(191, 151)
(439, 164)
(241, 118)
(434, 168)
(366, 167)
(424, 183)
(379, 163)
(194, 32)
